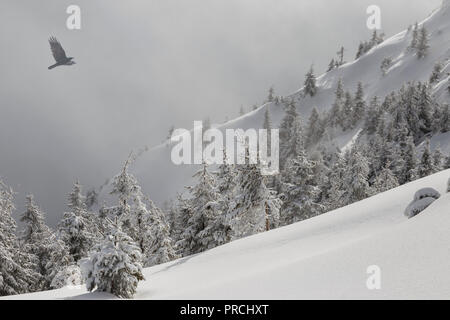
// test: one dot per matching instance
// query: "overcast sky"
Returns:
(143, 66)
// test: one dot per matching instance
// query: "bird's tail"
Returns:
(53, 66)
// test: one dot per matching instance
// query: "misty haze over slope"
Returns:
(143, 66)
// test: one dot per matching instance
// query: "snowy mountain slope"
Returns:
(162, 180)
(322, 258)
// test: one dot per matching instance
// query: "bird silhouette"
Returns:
(59, 54)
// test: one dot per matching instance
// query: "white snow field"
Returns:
(326, 257)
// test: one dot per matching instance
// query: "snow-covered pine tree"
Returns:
(271, 94)
(447, 163)
(300, 191)
(347, 111)
(158, 244)
(334, 192)
(78, 228)
(425, 108)
(335, 116)
(356, 178)
(372, 117)
(267, 125)
(410, 169)
(426, 167)
(51, 254)
(286, 127)
(204, 205)
(385, 65)
(182, 214)
(359, 109)
(141, 219)
(91, 198)
(361, 50)
(444, 118)
(310, 83)
(340, 54)
(376, 38)
(438, 159)
(385, 180)
(437, 72)
(332, 65)
(130, 207)
(255, 207)
(16, 268)
(114, 265)
(315, 129)
(415, 37)
(422, 43)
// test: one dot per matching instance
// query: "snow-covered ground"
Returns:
(322, 258)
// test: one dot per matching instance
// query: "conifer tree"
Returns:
(356, 178)
(332, 65)
(426, 167)
(415, 37)
(255, 207)
(410, 170)
(422, 44)
(447, 163)
(372, 117)
(340, 54)
(314, 130)
(204, 205)
(335, 116)
(16, 266)
(158, 244)
(438, 159)
(285, 134)
(359, 110)
(51, 254)
(310, 83)
(444, 119)
(347, 111)
(78, 228)
(140, 219)
(300, 191)
(436, 74)
(114, 265)
(271, 96)
(385, 65)
(334, 192)
(385, 180)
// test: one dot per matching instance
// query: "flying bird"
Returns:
(59, 54)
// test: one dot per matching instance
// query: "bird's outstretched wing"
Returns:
(57, 50)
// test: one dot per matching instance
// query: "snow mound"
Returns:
(427, 193)
(417, 206)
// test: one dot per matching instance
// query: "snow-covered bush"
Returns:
(114, 265)
(69, 276)
(418, 206)
(427, 193)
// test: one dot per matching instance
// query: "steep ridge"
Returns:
(161, 179)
